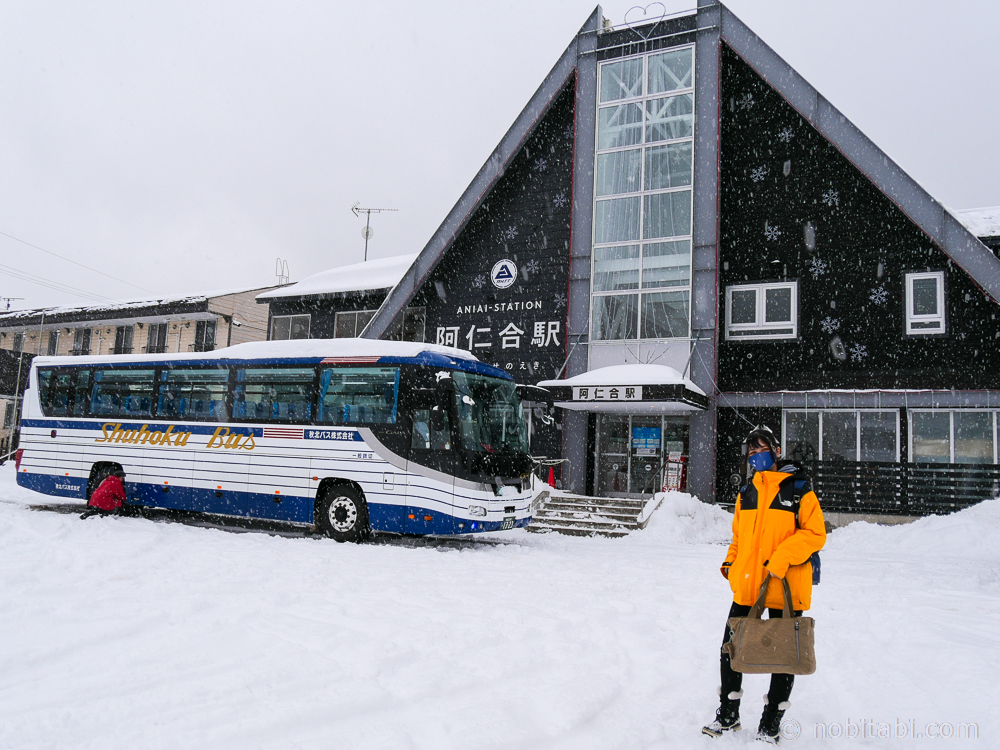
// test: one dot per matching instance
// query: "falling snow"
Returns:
(858, 352)
(878, 295)
(831, 198)
(786, 134)
(758, 174)
(560, 200)
(829, 325)
(771, 233)
(817, 267)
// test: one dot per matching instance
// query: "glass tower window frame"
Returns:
(643, 197)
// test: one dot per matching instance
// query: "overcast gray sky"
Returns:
(183, 146)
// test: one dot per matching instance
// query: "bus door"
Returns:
(430, 490)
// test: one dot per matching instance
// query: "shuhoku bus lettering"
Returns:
(351, 435)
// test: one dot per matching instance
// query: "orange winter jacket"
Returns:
(776, 533)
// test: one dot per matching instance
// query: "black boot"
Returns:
(770, 721)
(727, 715)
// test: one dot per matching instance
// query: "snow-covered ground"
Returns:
(129, 633)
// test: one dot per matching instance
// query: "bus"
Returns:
(352, 436)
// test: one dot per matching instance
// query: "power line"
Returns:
(75, 263)
(24, 276)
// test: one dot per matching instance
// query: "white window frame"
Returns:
(641, 194)
(354, 313)
(276, 318)
(951, 430)
(761, 329)
(936, 322)
(821, 412)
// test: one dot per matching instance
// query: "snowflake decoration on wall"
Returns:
(746, 101)
(541, 165)
(479, 281)
(786, 134)
(829, 324)
(758, 174)
(568, 132)
(560, 300)
(817, 267)
(878, 295)
(560, 200)
(510, 232)
(858, 352)
(533, 266)
(771, 233)
(831, 198)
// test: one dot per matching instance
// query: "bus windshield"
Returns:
(489, 414)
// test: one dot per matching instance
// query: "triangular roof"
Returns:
(954, 239)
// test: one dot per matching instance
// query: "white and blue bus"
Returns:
(351, 435)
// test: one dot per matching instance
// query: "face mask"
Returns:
(761, 461)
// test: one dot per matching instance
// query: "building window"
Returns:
(123, 339)
(204, 336)
(81, 341)
(18, 342)
(284, 327)
(641, 278)
(410, 328)
(839, 435)
(53, 343)
(925, 303)
(351, 324)
(953, 437)
(762, 311)
(156, 338)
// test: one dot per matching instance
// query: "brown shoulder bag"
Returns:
(782, 645)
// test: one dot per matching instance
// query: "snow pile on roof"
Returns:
(181, 299)
(303, 348)
(982, 222)
(627, 375)
(684, 518)
(383, 273)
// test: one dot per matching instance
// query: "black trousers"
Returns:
(732, 681)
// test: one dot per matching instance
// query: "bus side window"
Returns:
(63, 392)
(123, 393)
(358, 395)
(274, 394)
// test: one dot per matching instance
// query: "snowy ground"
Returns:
(129, 633)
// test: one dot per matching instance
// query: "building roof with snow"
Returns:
(381, 274)
(982, 222)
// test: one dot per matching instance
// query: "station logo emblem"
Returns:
(504, 274)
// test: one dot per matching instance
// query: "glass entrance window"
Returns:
(631, 450)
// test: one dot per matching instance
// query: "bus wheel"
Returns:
(343, 515)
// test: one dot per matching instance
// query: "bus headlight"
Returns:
(477, 510)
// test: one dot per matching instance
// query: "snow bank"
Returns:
(972, 533)
(684, 518)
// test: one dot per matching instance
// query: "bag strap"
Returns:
(758, 606)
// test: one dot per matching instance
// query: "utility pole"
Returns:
(368, 232)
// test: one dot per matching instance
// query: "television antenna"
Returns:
(368, 232)
(281, 271)
(8, 300)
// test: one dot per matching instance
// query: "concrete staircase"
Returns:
(590, 516)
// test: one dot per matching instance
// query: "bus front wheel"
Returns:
(343, 515)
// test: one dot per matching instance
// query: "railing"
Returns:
(901, 488)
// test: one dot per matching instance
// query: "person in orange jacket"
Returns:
(777, 529)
